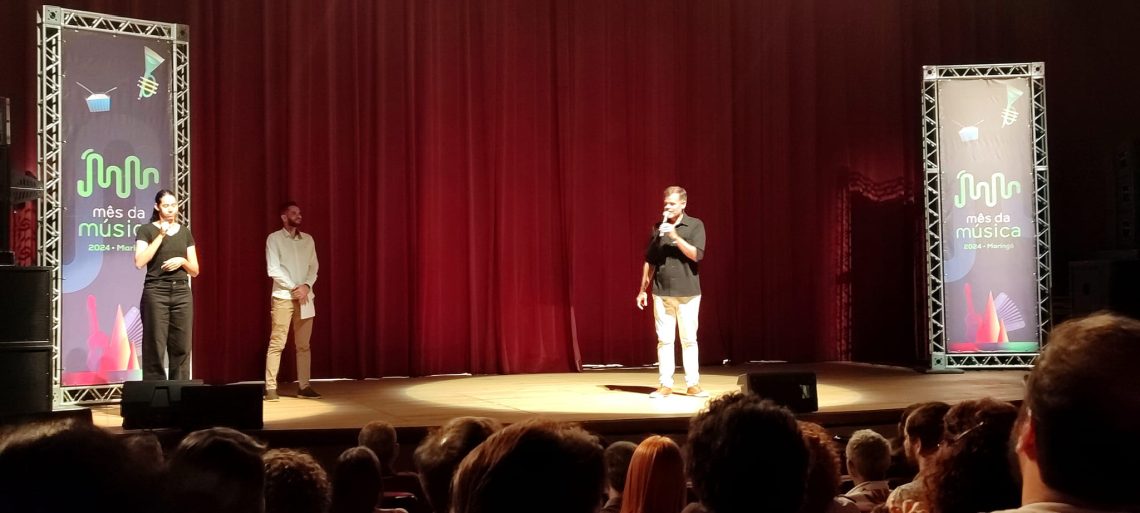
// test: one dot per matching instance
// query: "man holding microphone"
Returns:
(672, 266)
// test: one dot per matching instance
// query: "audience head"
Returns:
(898, 454)
(972, 472)
(146, 448)
(656, 479)
(1076, 434)
(102, 475)
(823, 477)
(923, 430)
(380, 437)
(868, 456)
(617, 457)
(439, 455)
(217, 469)
(747, 454)
(534, 465)
(294, 483)
(356, 485)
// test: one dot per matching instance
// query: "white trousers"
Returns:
(672, 314)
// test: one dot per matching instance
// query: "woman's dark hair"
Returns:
(162, 193)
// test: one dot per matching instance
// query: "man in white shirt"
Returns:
(291, 259)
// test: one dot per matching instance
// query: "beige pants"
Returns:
(281, 313)
(670, 315)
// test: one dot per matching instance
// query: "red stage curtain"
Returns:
(481, 176)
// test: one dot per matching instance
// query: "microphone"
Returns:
(664, 219)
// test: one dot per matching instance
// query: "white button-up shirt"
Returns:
(291, 262)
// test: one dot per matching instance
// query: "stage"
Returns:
(610, 401)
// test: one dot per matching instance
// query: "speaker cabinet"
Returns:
(237, 406)
(191, 405)
(25, 340)
(25, 305)
(792, 389)
(152, 404)
(25, 378)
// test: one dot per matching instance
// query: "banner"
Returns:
(117, 124)
(988, 215)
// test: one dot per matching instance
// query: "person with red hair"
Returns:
(656, 479)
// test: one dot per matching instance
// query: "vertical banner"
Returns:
(118, 127)
(989, 237)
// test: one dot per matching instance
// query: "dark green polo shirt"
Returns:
(675, 274)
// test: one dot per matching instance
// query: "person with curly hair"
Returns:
(746, 454)
(295, 483)
(823, 479)
(972, 471)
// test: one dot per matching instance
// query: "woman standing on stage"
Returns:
(166, 249)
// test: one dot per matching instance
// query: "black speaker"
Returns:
(191, 405)
(238, 406)
(152, 404)
(25, 377)
(794, 389)
(25, 304)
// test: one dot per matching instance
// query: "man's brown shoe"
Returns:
(662, 391)
(696, 391)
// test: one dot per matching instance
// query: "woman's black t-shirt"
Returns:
(172, 246)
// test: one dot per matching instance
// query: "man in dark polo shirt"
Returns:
(672, 265)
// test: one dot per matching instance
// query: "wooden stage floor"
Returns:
(609, 400)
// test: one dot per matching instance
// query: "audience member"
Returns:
(746, 454)
(972, 471)
(868, 458)
(216, 470)
(294, 483)
(1075, 437)
(534, 465)
(71, 466)
(823, 477)
(922, 434)
(380, 437)
(900, 464)
(146, 449)
(656, 479)
(616, 457)
(356, 485)
(439, 455)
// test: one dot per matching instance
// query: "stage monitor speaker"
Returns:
(153, 404)
(237, 406)
(794, 389)
(25, 378)
(25, 304)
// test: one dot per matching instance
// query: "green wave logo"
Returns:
(126, 179)
(988, 191)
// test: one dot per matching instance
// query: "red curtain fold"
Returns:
(481, 176)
